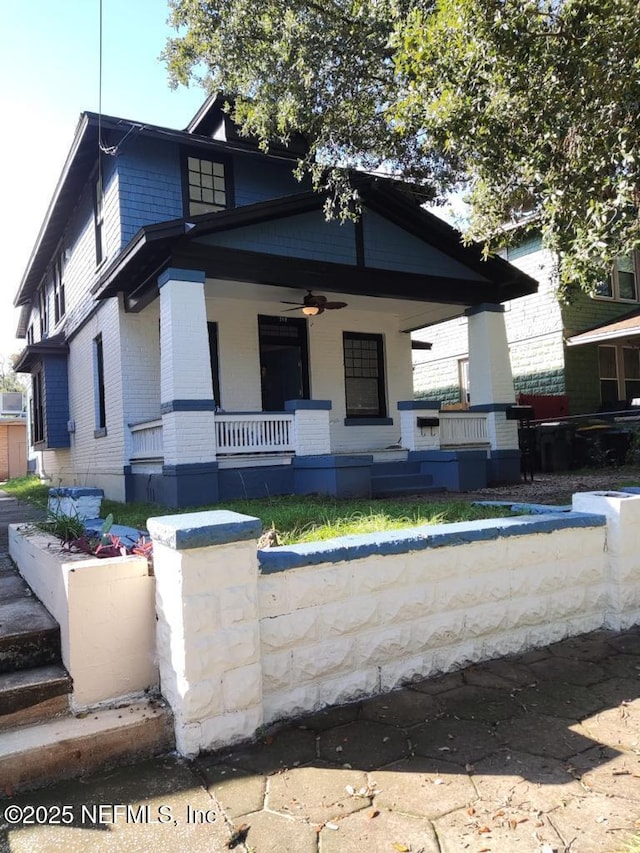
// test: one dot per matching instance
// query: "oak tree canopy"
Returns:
(532, 105)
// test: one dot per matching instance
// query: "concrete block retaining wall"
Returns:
(244, 641)
(106, 612)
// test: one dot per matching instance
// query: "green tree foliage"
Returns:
(533, 105)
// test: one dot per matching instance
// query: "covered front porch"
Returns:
(285, 355)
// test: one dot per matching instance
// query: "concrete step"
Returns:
(380, 469)
(72, 746)
(403, 484)
(34, 694)
(29, 635)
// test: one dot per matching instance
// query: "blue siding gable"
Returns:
(150, 185)
(150, 178)
(308, 235)
(389, 247)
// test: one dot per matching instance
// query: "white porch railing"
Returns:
(459, 429)
(254, 433)
(146, 440)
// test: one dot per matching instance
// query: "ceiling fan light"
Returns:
(310, 310)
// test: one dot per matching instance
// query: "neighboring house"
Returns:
(178, 341)
(572, 358)
(13, 435)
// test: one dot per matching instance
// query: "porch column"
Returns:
(491, 388)
(190, 475)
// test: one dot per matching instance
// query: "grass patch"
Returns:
(296, 518)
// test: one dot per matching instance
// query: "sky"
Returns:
(49, 74)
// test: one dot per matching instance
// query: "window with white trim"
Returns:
(621, 284)
(619, 373)
(463, 379)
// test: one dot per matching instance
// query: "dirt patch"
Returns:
(557, 488)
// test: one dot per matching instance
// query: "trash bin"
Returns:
(555, 446)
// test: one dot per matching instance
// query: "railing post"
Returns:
(208, 635)
(413, 436)
(311, 426)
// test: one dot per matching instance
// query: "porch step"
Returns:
(33, 695)
(403, 484)
(394, 468)
(71, 746)
(29, 635)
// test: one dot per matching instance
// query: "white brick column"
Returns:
(186, 390)
(311, 426)
(622, 511)
(208, 641)
(491, 388)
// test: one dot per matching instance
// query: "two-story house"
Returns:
(566, 358)
(196, 329)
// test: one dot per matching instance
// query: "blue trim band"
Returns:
(348, 548)
(416, 405)
(368, 422)
(486, 307)
(189, 468)
(307, 405)
(202, 529)
(174, 274)
(187, 406)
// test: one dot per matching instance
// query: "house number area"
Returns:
(104, 813)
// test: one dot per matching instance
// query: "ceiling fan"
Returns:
(314, 304)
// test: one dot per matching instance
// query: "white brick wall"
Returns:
(298, 639)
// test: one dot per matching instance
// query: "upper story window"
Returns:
(622, 283)
(59, 306)
(98, 220)
(43, 308)
(30, 335)
(206, 185)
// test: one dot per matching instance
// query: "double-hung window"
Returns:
(43, 308)
(98, 389)
(37, 407)
(622, 283)
(619, 374)
(364, 375)
(59, 307)
(98, 220)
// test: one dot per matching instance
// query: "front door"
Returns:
(284, 361)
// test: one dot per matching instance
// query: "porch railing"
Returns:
(146, 440)
(254, 433)
(458, 429)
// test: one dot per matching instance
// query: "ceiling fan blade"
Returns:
(286, 302)
(331, 306)
(287, 310)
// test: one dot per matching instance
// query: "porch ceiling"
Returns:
(412, 314)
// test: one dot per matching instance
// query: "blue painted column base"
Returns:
(503, 466)
(455, 470)
(190, 485)
(338, 476)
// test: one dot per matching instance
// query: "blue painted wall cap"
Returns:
(202, 529)
(75, 492)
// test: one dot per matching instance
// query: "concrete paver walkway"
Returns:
(533, 754)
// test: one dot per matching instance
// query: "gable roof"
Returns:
(177, 243)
